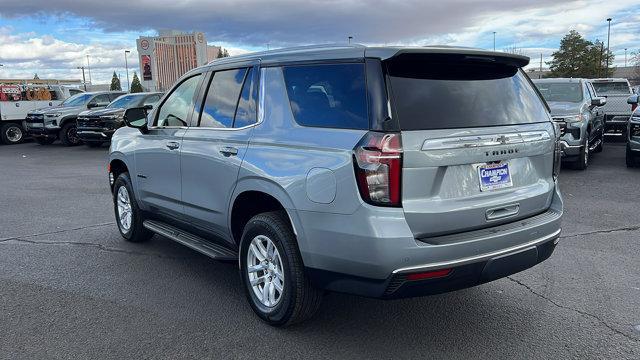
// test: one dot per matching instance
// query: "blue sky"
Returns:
(52, 38)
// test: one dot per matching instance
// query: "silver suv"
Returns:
(378, 171)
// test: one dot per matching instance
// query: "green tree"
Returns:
(222, 53)
(115, 83)
(136, 86)
(579, 57)
(36, 77)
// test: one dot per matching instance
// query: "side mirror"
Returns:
(148, 107)
(598, 101)
(136, 118)
(633, 99)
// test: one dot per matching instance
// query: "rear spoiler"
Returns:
(470, 54)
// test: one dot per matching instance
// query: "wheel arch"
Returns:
(254, 196)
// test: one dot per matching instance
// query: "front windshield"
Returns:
(603, 88)
(125, 101)
(77, 100)
(564, 92)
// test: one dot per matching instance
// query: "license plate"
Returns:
(494, 176)
(34, 125)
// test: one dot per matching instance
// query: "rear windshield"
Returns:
(605, 88)
(565, 92)
(126, 101)
(443, 92)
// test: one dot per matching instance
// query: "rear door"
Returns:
(213, 149)
(477, 139)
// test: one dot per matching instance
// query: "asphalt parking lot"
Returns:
(70, 287)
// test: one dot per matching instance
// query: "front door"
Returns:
(158, 152)
(213, 149)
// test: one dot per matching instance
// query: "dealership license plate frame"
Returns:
(496, 181)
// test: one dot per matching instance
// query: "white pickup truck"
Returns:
(616, 110)
(18, 100)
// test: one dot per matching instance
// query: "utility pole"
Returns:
(600, 62)
(126, 66)
(540, 74)
(350, 37)
(608, 37)
(89, 69)
(625, 57)
(83, 79)
(494, 41)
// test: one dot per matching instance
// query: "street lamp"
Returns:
(494, 41)
(608, 37)
(83, 79)
(350, 38)
(126, 65)
(625, 57)
(89, 69)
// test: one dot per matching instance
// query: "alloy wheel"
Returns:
(125, 214)
(14, 134)
(264, 267)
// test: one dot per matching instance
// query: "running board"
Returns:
(189, 240)
(595, 145)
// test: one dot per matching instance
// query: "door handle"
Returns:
(172, 145)
(228, 151)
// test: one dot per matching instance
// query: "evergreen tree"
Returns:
(35, 77)
(578, 57)
(220, 54)
(136, 86)
(115, 83)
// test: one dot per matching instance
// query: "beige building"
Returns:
(166, 57)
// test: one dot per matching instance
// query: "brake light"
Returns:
(378, 165)
(429, 275)
(557, 151)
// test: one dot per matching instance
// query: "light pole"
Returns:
(494, 41)
(126, 66)
(89, 69)
(608, 37)
(625, 57)
(350, 38)
(83, 79)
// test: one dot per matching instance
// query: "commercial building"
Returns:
(166, 57)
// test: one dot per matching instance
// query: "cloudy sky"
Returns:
(53, 37)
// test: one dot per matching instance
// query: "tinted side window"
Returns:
(331, 95)
(113, 96)
(151, 100)
(246, 112)
(222, 98)
(176, 108)
(102, 100)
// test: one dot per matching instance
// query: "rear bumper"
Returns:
(374, 253)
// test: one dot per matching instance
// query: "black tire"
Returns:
(45, 140)
(583, 159)
(631, 158)
(11, 133)
(299, 299)
(68, 134)
(93, 144)
(136, 232)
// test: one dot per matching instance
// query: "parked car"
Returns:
(578, 111)
(616, 110)
(96, 127)
(59, 122)
(633, 133)
(385, 172)
(16, 101)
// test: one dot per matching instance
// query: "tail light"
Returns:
(378, 165)
(633, 107)
(557, 151)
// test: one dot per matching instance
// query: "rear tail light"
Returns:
(557, 151)
(434, 274)
(378, 165)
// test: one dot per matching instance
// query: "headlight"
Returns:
(635, 118)
(53, 114)
(110, 117)
(574, 118)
